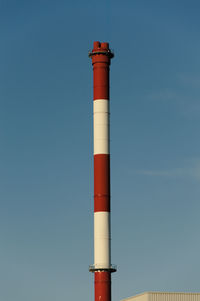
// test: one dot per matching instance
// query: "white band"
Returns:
(101, 126)
(102, 239)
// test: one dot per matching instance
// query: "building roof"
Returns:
(165, 296)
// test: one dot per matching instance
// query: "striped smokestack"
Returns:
(102, 268)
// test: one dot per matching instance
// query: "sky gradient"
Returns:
(46, 152)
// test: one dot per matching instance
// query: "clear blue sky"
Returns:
(46, 181)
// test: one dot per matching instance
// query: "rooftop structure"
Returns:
(164, 296)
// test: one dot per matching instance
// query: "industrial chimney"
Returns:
(102, 267)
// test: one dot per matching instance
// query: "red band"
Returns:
(101, 62)
(102, 281)
(101, 182)
(101, 81)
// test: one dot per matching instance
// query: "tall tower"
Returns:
(102, 267)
